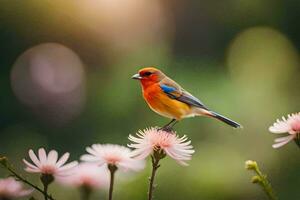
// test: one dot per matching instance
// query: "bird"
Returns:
(168, 99)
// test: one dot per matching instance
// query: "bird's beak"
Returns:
(136, 76)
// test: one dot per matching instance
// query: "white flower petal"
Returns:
(285, 125)
(88, 175)
(42, 155)
(31, 170)
(12, 189)
(281, 139)
(29, 164)
(63, 159)
(49, 164)
(112, 154)
(68, 166)
(52, 157)
(34, 159)
(280, 144)
(150, 139)
(279, 128)
(132, 164)
(91, 158)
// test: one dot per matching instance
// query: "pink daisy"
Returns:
(113, 154)
(291, 125)
(152, 139)
(11, 189)
(49, 164)
(87, 175)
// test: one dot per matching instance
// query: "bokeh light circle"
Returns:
(125, 24)
(262, 55)
(50, 79)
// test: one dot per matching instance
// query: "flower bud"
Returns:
(3, 160)
(250, 165)
(256, 179)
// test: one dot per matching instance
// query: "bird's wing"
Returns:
(174, 91)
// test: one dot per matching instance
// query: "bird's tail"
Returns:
(225, 120)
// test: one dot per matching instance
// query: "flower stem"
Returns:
(155, 166)
(85, 192)
(46, 192)
(5, 164)
(261, 179)
(46, 179)
(297, 140)
(266, 185)
(112, 169)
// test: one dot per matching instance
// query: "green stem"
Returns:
(6, 165)
(45, 192)
(297, 140)
(260, 179)
(85, 193)
(266, 185)
(155, 166)
(46, 179)
(112, 169)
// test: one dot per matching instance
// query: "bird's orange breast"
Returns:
(163, 104)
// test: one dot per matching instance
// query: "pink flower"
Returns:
(11, 189)
(87, 175)
(291, 125)
(49, 164)
(112, 154)
(149, 140)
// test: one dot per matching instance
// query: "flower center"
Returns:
(48, 169)
(112, 159)
(296, 126)
(88, 181)
(165, 144)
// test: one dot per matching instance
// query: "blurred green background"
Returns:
(65, 84)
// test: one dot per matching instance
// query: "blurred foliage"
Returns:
(240, 57)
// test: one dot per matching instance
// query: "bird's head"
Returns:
(149, 75)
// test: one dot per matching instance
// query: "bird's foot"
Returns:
(168, 129)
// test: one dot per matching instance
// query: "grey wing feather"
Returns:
(189, 99)
(182, 95)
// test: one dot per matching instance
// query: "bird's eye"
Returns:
(147, 73)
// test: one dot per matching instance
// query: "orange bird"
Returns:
(167, 98)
